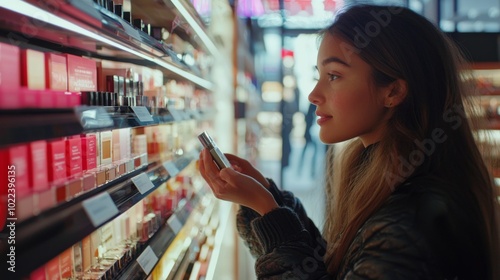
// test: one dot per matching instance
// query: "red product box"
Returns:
(89, 152)
(15, 159)
(38, 274)
(37, 165)
(33, 69)
(74, 98)
(56, 161)
(66, 264)
(74, 156)
(14, 179)
(10, 76)
(52, 269)
(82, 73)
(56, 72)
(59, 98)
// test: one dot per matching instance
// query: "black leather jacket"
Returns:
(423, 231)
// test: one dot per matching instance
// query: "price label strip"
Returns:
(142, 113)
(175, 224)
(175, 114)
(171, 168)
(100, 208)
(143, 183)
(147, 260)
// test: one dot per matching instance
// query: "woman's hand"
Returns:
(231, 185)
(245, 167)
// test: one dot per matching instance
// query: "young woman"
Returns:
(410, 196)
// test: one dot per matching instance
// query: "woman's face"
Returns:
(348, 102)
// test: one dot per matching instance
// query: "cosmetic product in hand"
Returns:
(219, 158)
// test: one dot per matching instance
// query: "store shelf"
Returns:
(25, 125)
(224, 214)
(51, 232)
(179, 16)
(159, 243)
(85, 28)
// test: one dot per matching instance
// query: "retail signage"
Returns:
(143, 183)
(147, 260)
(171, 168)
(176, 114)
(175, 224)
(100, 208)
(142, 113)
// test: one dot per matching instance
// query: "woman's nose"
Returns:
(313, 96)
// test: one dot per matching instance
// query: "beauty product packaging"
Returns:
(86, 254)
(66, 264)
(125, 147)
(77, 260)
(82, 73)
(95, 243)
(38, 274)
(106, 145)
(14, 162)
(89, 152)
(33, 69)
(56, 161)
(52, 269)
(37, 165)
(140, 144)
(15, 159)
(56, 72)
(116, 145)
(10, 76)
(74, 156)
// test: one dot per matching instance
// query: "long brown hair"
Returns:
(400, 44)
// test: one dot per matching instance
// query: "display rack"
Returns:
(160, 242)
(94, 32)
(51, 232)
(86, 29)
(25, 125)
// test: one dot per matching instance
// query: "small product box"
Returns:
(82, 74)
(14, 160)
(33, 69)
(10, 76)
(74, 156)
(56, 72)
(89, 152)
(56, 161)
(37, 165)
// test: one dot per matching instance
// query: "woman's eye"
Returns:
(332, 77)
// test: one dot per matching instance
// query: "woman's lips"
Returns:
(322, 118)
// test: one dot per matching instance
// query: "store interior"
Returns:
(102, 102)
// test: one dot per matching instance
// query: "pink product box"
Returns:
(10, 76)
(36, 98)
(82, 74)
(56, 72)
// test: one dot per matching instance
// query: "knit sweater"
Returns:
(421, 232)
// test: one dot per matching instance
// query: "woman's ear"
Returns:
(396, 93)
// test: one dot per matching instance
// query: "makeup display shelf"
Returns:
(95, 30)
(51, 232)
(25, 125)
(487, 82)
(87, 29)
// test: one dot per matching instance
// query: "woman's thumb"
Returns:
(228, 174)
